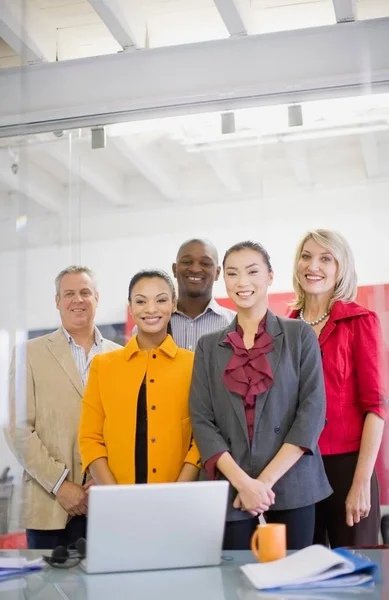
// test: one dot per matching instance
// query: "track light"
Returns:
(99, 138)
(228, 123)
(295, 115)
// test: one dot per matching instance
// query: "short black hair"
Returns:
(250, 245)
(151, 274)
(204, 242)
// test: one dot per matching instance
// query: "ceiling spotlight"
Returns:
(295, 115)
(99, 138)
(228, 123)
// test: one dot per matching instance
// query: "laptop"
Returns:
(155, 526)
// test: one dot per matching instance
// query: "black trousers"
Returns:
(300, 524)
(42, 539)
(331, 526)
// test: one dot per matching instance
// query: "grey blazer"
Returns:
(291, 411)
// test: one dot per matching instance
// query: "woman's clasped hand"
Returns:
(255, 497)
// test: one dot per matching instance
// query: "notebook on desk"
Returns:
(155, 526)
(312, 568)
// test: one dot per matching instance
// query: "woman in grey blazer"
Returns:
(258, 407)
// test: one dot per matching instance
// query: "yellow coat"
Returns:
(109, 411)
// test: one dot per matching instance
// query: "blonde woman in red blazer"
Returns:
(325, 283)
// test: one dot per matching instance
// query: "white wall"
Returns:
(150, 239)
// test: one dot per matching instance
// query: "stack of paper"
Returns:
(313, 567)
(19, 565)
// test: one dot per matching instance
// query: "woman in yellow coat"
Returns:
(135, 425)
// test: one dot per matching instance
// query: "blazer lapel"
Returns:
(223, 356)
(274, 329)
(59, 348)
(328, 329)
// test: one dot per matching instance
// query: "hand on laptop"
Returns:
(255, 497)
(73, 498)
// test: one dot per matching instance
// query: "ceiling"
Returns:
(210, 158)
(262, 152)
(56, 30)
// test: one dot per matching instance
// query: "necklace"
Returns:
(319, 320)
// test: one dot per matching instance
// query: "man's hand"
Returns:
(73, 498)
(256, 497)
(87, 485)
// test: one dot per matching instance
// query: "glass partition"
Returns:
(123, 197)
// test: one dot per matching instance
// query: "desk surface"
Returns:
(226, 582)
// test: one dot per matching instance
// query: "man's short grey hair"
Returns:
(74, 269)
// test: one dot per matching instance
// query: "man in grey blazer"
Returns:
(47, 381)
(291, 411)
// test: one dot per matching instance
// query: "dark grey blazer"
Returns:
(292, 411)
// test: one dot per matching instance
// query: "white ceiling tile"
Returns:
(372, 9)
(81, 32)
(85, 40)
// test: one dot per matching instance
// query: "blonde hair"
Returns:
(337, 245)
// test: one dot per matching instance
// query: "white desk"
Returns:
(212, 583)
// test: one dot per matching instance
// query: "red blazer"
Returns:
(352, 353)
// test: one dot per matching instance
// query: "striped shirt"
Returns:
(83, 363)
(186, 331)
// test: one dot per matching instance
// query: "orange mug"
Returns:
(269, 542)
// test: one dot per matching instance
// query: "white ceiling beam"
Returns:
(90, 166)
(236, 15)
(150, 163)
(124, 20)
(27, 178)
(345, 10)
(224, 169)
(200, 78)
(370, 153)
(298, 158)
(27, 32)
